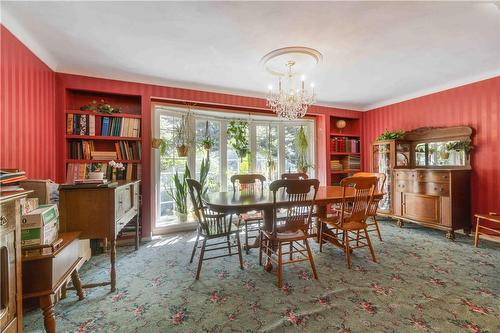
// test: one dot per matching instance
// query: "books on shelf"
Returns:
(335, 165)
(127, 127)
(123, 150)
(344, 145)
(346, 163)
(80, 124)
(77, 172)
(10, 178)
(85, 124)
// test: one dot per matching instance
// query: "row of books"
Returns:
(129, 127)
(344, 145)
(80, 124)
(346, 163)
(85, 149)
(77, 172)
(10, 178)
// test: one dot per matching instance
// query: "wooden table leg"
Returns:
(476, 234)
(321, 212)
(113, 269)
(63, 290)
(75, 278)
(267, 225)
(137, 234)
(47, 306)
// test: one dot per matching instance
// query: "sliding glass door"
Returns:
(271, 142)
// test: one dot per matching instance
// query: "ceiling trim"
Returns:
(435, 89)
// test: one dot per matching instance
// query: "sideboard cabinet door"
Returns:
(421, 207)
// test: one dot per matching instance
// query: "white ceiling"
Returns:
(373, 53)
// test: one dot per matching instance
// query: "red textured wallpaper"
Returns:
(27, 116)
(476, 105)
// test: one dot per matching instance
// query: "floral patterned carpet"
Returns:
(422, 283)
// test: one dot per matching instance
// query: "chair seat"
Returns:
(287, 236)
(334, 221)
(251, 216)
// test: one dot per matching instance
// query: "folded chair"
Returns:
(211, 225)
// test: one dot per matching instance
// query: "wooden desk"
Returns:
(45, 275)
(11, 313)
(238, 203)
(100, 212)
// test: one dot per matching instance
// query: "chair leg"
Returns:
(228, 244)
(247, 250)
(311, 260)
(291, 251)
(239, 249)
(320, 236)
(370, 245)
(378, 229)
(280, 267)
(194, 248)
(357, 238)
(261, 248)
(202, 253)
(476, 234)
(347, 251)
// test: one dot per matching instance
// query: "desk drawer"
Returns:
(123, 200)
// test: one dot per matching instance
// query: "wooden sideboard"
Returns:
(435, 198)
(100, 212)
(10, 254)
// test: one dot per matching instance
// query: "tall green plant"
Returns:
(238, 139)
(179, 192)
(302, 144)
(204, 169)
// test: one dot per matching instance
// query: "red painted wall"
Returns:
(27, 104)
(476, 105)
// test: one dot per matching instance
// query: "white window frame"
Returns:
(224, 119)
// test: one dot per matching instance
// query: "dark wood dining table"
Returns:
(239, 202)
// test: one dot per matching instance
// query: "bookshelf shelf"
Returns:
(99, 137)
(116, 115)
(340, 172)
(345, 135)
(100, 161)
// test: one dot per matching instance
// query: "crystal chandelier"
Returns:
(288, 101)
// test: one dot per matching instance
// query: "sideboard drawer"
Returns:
(403, 186)
(404, 175)
(434, 176)
(439, 189)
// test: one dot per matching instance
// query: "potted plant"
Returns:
(462, 145)
(238, 138)
(182, 136)
(204, 169)
(444, 153)
(207, 141)
(394, 135)
(179, 193)
(301, 144)
(96, 171)
(100, 107)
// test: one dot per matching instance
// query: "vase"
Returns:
(182, 151)
(444, 155)
(182, 217)
(96, 175)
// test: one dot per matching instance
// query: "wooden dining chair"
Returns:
(350, 221)
(296, 175)
(371, 221)
(298, 197)
(252, 220)
(211, 225)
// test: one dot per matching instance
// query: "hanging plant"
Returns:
(388, 135)
(182, 136)
(207, 141)
(302, 144)
(238, 139)
(100, 107)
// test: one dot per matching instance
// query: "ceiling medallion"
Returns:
(291, 99)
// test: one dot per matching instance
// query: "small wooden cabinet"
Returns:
(435, 198)
(100, 212)
(10, 262)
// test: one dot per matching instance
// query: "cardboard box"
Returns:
(43, 189)
(28, 205)
(39, 217)
(46, 234)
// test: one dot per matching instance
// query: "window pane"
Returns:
(267, 151)
(235, 165)
(170, 162)
(212, 128)
(290, 148)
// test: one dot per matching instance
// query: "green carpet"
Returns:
(422, 283)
